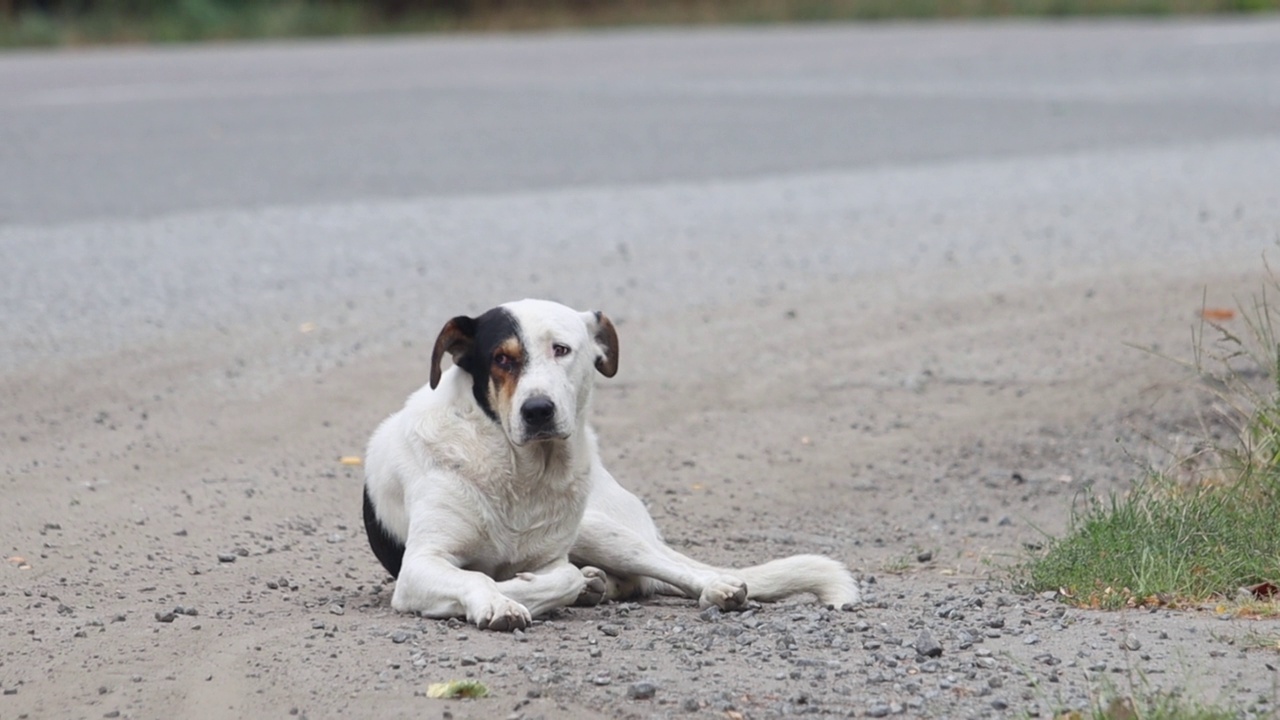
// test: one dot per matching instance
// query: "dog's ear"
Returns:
(456, 338)
(606, 339)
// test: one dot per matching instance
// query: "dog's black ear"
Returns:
(606, 340)
(456, 338)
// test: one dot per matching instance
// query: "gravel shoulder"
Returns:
(198, 553)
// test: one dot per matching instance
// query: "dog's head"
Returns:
(531, 364)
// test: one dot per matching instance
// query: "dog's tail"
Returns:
(829, 580)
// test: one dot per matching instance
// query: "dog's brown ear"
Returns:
(606, 338)
(455, 338)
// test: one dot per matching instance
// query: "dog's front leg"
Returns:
(435, 587)
(556, 585)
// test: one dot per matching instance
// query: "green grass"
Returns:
(104, 21)
(1206, 530)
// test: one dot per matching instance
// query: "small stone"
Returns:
(1131, 642)
(642, 690)
(11, 691)
(1031, 639)
(927, 646)
(317, 624)
(111, 714)
(397, 637)
(226, 557)
(689, 704)
(602, 679)
(167, 617)
(878, 710)
(925, 556)
(711, 613)
(999, 704)
(613, 630)
(336, 609)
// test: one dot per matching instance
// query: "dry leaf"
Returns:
(306, 327)
(1217, 314)
(351, 460)
(1263, 590)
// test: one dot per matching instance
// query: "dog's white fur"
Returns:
(501, 522)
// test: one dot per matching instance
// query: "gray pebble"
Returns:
(397, 637)
(927, 646)
(602, 679)
(1131, 642)
(642, 690)
(878, 710)
(226, 557)
(1031, 639)
(710, 614)
(999, 704)
(613, 630)
(317, 624)
(166, 617)
(336, 609)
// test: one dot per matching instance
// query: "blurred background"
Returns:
(41, 22)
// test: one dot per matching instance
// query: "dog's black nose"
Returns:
(538, 412)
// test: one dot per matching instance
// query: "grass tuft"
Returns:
(1206, 527)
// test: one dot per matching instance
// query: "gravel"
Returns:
(642, 691)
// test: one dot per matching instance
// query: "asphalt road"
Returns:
(355, 184)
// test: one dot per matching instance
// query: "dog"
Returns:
(485, 496)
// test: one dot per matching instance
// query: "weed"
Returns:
(1205, 527)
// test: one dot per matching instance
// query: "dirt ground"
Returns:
(922, 437)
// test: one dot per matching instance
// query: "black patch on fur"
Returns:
(389, 550)
(492, 329)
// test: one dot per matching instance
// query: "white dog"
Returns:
(486, 498)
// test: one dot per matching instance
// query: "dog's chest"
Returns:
(526, 504)
(527, 523)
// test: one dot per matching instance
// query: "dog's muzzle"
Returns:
(539, 417)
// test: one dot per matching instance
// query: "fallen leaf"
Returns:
(1263, 590)
(307, 327)
(17, 559)
(457, 689)
(351, 460)
(1217, 314)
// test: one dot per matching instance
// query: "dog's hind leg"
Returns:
(640, 563)
(618, 535)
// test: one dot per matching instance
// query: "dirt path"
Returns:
(805, 421)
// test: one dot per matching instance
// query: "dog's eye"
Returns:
(503, 361)
(560, 350)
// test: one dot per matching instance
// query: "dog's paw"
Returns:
(595, 587)
(502, 614)
(725, 592)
